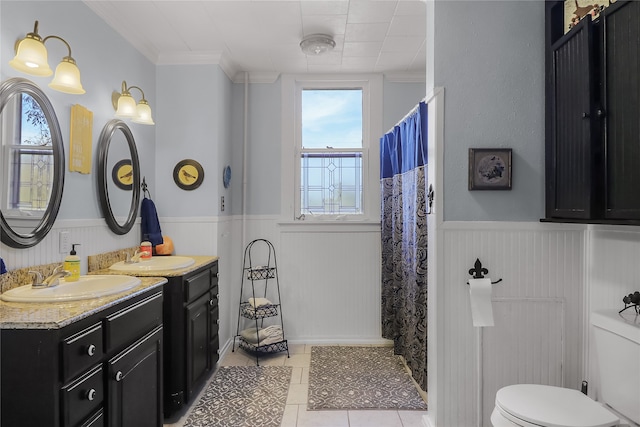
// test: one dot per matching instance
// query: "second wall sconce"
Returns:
(31, 58)
(126, 106)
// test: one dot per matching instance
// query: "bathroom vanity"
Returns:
(93, 362)
(191, 322)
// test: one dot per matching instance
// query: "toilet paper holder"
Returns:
(478, 272)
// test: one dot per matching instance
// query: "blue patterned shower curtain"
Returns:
(403, 182)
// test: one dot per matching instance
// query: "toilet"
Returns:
(617, 345)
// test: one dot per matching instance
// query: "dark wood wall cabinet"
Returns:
(592, 136)
(191, 336)
(103, 370)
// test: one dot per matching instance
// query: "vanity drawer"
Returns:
(82, 397)
(131, 323)
(197, 285)
(81, 350)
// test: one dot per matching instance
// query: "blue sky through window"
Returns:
(332, 117)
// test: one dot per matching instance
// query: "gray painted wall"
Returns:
(494, 97)
(104, 59)
(193, 122)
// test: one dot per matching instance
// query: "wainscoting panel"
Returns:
(525, 346)
(537, 262)
(93, 236)
(330, 285)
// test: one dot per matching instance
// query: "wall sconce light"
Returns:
(31, 58)
(126, 107)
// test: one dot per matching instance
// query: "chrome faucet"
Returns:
(50, 281)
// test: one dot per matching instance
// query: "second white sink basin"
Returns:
(85, 288)
(156, 263)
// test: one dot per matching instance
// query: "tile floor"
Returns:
(296, 414)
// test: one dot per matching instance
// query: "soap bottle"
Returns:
(72, 265)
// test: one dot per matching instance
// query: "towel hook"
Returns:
(478, 272)
(144, 187)
(430, 196)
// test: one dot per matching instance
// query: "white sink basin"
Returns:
(156, 263)
(85, 288)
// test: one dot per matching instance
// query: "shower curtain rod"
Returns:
(413, 110)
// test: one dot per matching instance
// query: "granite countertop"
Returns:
(200, 262)
(18, 315)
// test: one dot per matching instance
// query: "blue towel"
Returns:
(3, 268)
(150, 225)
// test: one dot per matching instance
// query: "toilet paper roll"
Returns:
(481, 308)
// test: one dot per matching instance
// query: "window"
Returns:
(330, 163)
(331, 151)
(28, 157)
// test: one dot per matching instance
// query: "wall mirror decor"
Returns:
(31, 161)
(118, 176)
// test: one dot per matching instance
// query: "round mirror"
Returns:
(118, 176)
(32, 163)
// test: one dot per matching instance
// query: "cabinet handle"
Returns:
(91, 350)
(212, 302)
(217, 274)
(119, 376)
(585, 115)
(91, 394)
(217, 321)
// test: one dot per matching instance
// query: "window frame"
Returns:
(292, 87)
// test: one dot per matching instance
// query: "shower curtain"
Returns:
(403, 163)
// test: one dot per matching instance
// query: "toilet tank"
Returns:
(617, 348)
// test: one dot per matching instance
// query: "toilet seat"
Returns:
(548, 406)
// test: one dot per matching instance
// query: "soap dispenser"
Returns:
(72, 265)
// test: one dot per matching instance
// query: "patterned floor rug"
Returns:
(360, 378)
(243, 396)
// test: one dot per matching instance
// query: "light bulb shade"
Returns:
(143, 116)
(67, 78)
(317, 44)
(31, 57)
(126, 106)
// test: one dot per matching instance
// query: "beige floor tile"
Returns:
(322, 418)
(297, 348)
(235, 358)
(412, 418)
(290, 416)
(374, 419)
(299, 360)
(305, 376)
(296, 376)
(298, 394)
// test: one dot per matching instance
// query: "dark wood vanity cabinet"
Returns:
(103, 370)
(592, 109)
(191, 338)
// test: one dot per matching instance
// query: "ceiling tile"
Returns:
(366, 11)
(321, 7)
(264, 35)
(366, 32)
(406, 25)
(361, 49)
(324, 24)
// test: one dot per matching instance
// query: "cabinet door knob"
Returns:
(119, 376)
(585, 115)
(91, 350)
(212, 302)
(91, 394)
